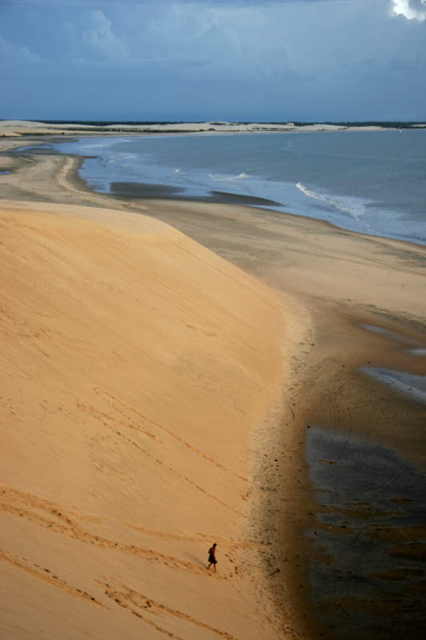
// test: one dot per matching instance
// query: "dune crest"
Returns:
(136, 366)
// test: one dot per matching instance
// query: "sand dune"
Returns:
(16, 128)
(136, 368)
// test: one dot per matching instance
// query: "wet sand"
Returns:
(368, 574)
(335, 282)
(128, 190)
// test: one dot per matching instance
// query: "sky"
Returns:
(235, 60)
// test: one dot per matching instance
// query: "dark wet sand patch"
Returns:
(168, 192)
(368, 562)
(139, 190)
(419, 587)
(410, 550)
(40, 149)
(400, 574)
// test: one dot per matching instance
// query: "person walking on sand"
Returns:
(212, 557)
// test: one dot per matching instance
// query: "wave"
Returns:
(241, 176)
(118, 159)
(355, 209)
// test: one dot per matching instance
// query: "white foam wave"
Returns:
(88, 145)
(241, 176)
(354, 209)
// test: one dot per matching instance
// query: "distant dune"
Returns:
(14, 128)
(136, 366)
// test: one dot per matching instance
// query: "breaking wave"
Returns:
(348, 205)
(241, 176)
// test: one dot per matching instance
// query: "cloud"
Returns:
(410, 9)
(19, 55)
(102, 40)
(153, 59)
(106, 3)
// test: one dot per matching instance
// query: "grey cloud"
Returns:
(183, 59)
(105, 3)
(16, 55)
(102, 40)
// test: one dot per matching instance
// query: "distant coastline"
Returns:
(15, 128)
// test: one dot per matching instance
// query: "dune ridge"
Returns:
(17, 128)
(136, 367)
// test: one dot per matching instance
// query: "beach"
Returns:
(165, 363)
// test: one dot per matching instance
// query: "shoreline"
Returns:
(129, 191)
(266, 223)
(14, 128)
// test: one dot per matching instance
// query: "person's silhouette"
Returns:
(212, 556)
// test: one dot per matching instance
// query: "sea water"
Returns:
(367, 181)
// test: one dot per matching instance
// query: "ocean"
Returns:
(372, 182)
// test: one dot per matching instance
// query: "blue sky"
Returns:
(305, 60)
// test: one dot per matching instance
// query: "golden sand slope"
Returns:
(135, 365)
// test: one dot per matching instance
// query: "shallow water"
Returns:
(416, 349)
(372, 182)
(368, 572)
(417, 352)
(387, 333)
(408, 384)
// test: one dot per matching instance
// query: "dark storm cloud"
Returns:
(305, 59)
